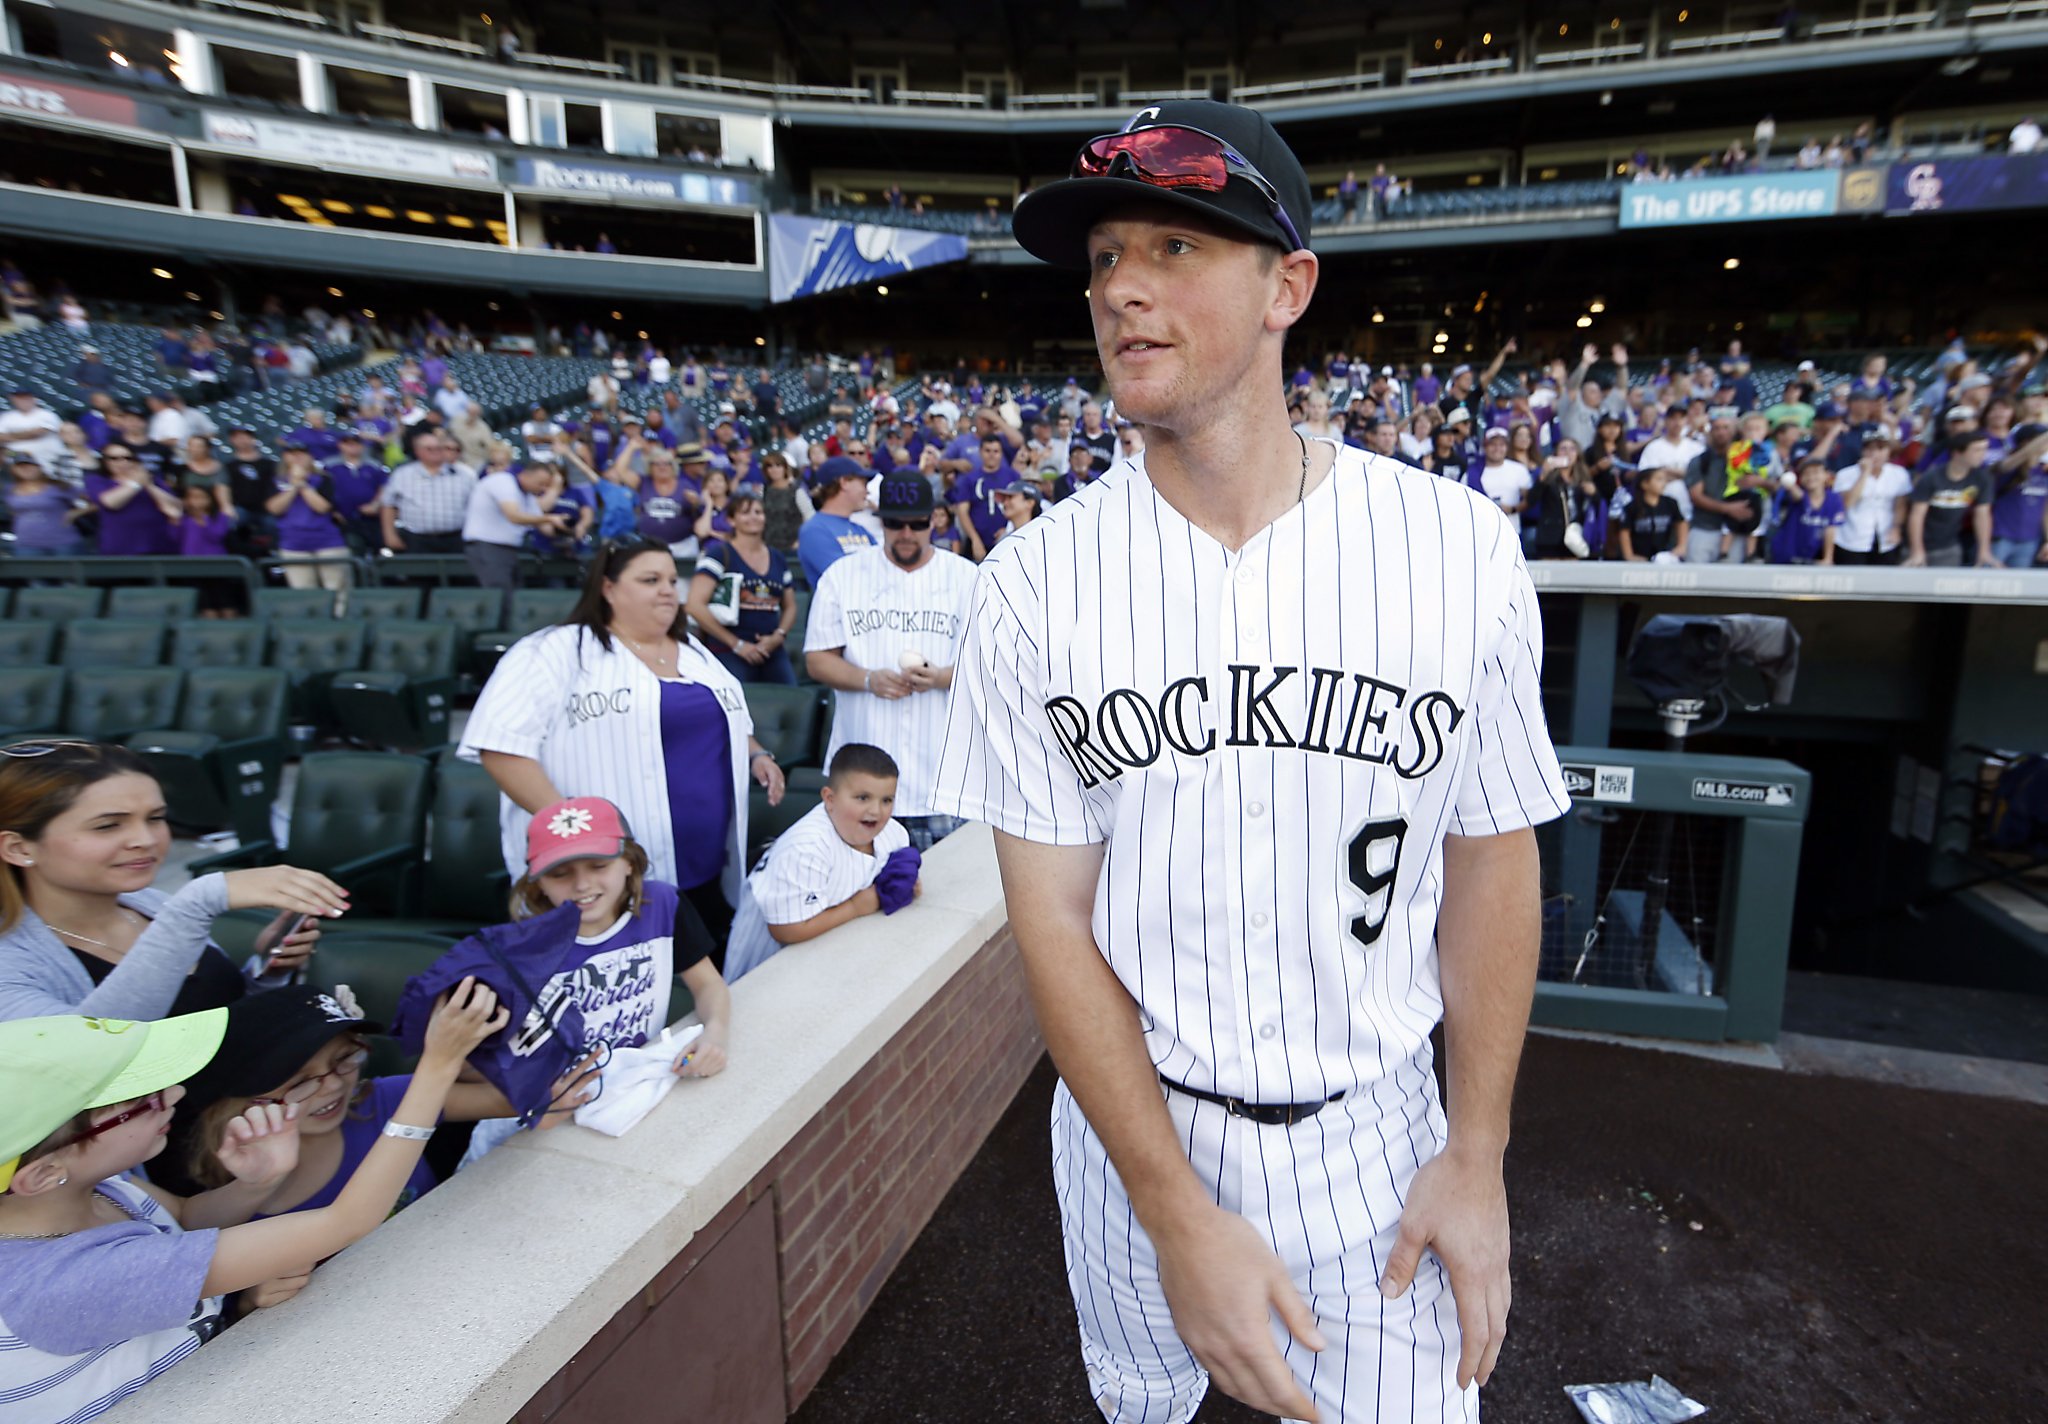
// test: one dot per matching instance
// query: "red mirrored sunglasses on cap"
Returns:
(1174, 156)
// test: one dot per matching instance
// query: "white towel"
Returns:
(635, 1080)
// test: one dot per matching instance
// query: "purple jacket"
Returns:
(524, 1059)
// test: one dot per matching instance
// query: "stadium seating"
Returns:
(275, 603)
(402, 695)
(218, 642)
(312, 651)
(342, 803)
(26, 642)
(41, 359)
(110, 704)
(113, 642)
(371, 604)
(60, 605)
(466, 884)
(220, 764)
(31, 701)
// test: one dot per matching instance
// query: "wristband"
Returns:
(406, 1132)
(753, 757)
(868, 683)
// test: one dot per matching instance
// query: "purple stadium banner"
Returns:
(1959, 185)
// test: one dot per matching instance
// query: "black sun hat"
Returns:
(1052, 222)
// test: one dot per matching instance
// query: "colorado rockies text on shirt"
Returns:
(941, 621)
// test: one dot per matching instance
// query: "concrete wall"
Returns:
(710, 1263)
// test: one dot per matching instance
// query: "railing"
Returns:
(424, 41)
(1335, 83)
(1732, 40)
(1460, 68)
(580, 66)
(942, 96)
(1827, 29)
(308, 18)
(1590, 56)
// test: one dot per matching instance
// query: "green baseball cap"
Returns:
(52, 1069)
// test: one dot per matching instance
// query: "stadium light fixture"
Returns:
(1596, 306)
(617, 317)
(117, 59)
(336, 205)
(1731, 264)
(1442, 336)
(192, 296)
(1684, 15)
(493, 306)
(160, 272)
(458, 220)
(215, 316)
(881, 291)
(370, 314)
(760, 341)
(641, 334)
(334, 291)
(1583, 322)
(378, 210)
(415, 215)
(1378, 317)
(1563, 30)
(1615, 23)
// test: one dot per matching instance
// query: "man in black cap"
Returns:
(884, 633)
(1257, 723)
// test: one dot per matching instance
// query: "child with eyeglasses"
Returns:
(107, 1281)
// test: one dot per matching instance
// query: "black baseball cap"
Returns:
(270, 1036)
(1052, 223)
(904, 496)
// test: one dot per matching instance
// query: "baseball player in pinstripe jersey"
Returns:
(1256, 720)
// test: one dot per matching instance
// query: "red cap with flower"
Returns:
(580, 828)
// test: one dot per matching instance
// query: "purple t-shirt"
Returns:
(2016, 514)
(361, 1125)
(665, 518)
(137, 527)
(1803, 528)
(696, 750)
(981, 493)
(205, 538)
(88, 1319)
(1427, 389)
(39, 517)
(355, 486)
(302, 528)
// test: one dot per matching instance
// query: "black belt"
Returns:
(1266, 1114)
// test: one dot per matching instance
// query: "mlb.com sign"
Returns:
(1755, 197)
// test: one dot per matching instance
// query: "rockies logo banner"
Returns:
(807, 256)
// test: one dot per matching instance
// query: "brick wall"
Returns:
(850, 1193)
(856, 1186)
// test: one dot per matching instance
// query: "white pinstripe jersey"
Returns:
(873, 611)
(592, 719)
(1272, 742)
(807, 871)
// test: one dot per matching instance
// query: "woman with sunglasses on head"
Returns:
(754, 646)
(138, 513)
(83, 832)
(619, 700)
(106, 1281)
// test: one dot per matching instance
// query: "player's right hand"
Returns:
(1224, 1284)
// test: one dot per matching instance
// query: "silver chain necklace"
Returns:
(665, 660)
(88, 939)
(1301, 492)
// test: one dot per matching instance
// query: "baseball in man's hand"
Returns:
(910, 660)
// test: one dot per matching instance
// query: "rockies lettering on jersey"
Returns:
(1330, 711)
(874, 611)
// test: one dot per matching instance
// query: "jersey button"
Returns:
(1245, 574)
(1267, 1030)
(1259, 920)
(1255, 809)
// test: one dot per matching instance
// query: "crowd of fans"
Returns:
(1598, 461)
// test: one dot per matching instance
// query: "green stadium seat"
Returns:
(113, 642)
(402, 696)
(31, 700)
(152, 601)
(786, 721)
(465, 885)
(372, 604)
(218, 642)
(220, 765)
(375, 965)
(60, 605)
(27, 642)
(276, 603)
(532, 610)
(312, 651)
(109, 704)
(341, 803)
(470, 610)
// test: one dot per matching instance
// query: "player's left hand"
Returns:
(922, 679)
(1458, 1207)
